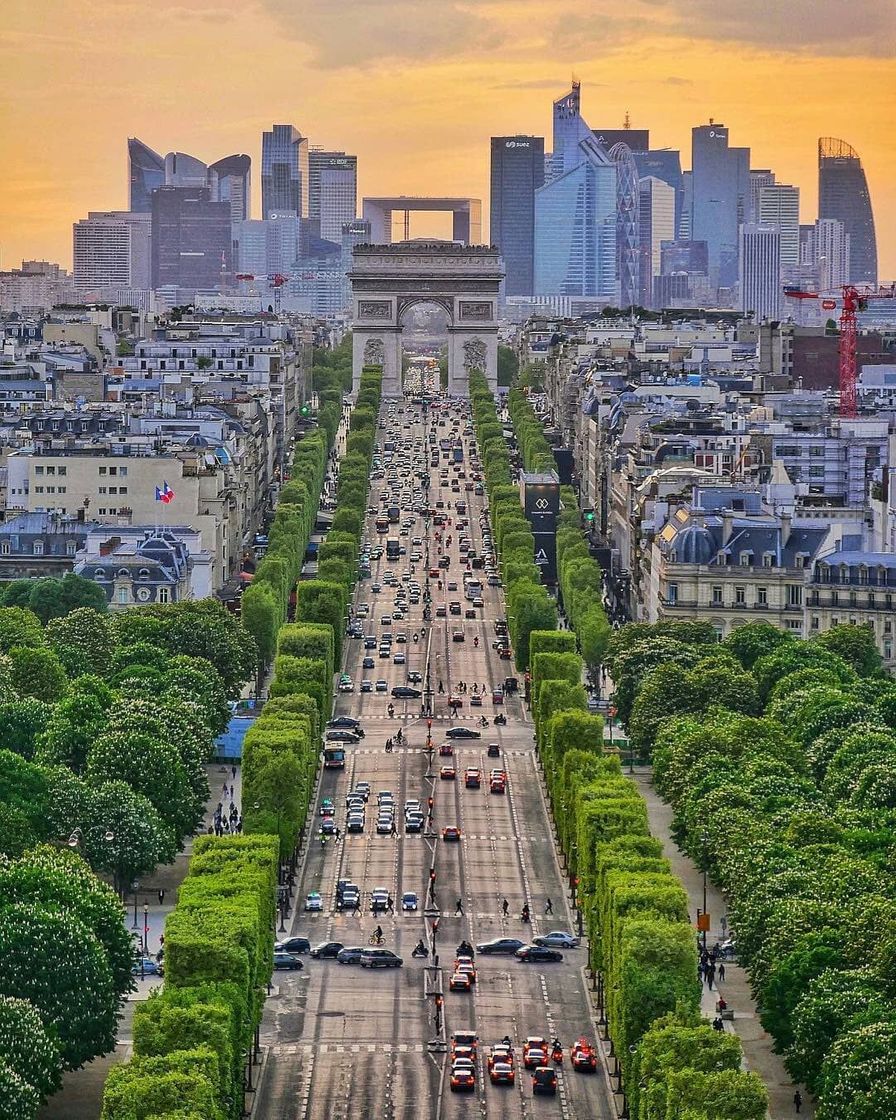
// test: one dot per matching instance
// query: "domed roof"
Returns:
(694, 545)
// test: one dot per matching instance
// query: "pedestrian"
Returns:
(721, 971)
(161, 897)
(710, 975)
(239, 825)
(797, 1102)
(338, 833)
(505, 906)
(459, 908)
(441, 688)
(393, 831)
(548, 907)
(233, 772)
(356, 909)
(718, 1025)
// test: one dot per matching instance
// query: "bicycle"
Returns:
(374, 940)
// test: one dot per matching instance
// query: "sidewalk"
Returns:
(81, 1095)
(757, 1043)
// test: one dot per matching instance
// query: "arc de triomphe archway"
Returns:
(388, 279)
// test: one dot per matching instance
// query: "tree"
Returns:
(508, 366)
(26, 1048)
(205, 628)
(83, 640)
(856, 645)
(21, 722)
(858, 1078)
(261, 616)
(18, 1099)
(53, 960)
(54, 598)
(19, 627)
(754, 640)
(75, 723)
(37, 673)
(24, 796)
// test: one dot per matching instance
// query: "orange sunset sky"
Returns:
(416, 87)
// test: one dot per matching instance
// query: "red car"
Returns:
(452, 832)
(447, 773)
(583, 1057)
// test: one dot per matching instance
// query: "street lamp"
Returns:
(704, 840)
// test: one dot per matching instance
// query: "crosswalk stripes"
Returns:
(307, 1049)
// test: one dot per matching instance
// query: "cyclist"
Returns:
(378, 935)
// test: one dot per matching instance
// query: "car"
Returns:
(345, 721)
(147, 966)
(455, 702)
(382, 686)
(350, 898)
(583, 1057)
(385, 824)
(414, 823)
(463, 1079)
(475, 700)
(314, 902)
(380, 958)
(367, 686)
(454, 608)
(463, 733)
(342, 735)
(368, 663)
(346, 686)
(501, 1052)
(544, 1080)
(457, 635)
(328, 826)
(354, 822)
(293, 945)
(327, 808)
(535, 1051)
(497, 696)
(351, 954)
(501, 1073)
(448, 773)
(494, 750)
(537, 954)
(326, 949)
(505, 945)
(398, 658)
(472, 777)
(406, 692)
(497, 785)
(362, 789)
(287, 962)
(414, 677)
(466, 966)
(460, 982)
(379, 900)
(451, 833)
(557, 939)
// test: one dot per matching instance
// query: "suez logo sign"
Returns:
(517, 144)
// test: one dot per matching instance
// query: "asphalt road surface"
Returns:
(349, 1043)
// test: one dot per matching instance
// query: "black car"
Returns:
(287, 962)
(327, 949)
(293, 945)
(501, 945)
(463, 733)
(343, 735)
(537, 954)
(405, 692)
(344, 721)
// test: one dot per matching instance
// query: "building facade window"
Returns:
(672, 594)
(717, 595)
(794, 595)
(740, 596)
(164, 595)
(762, 596)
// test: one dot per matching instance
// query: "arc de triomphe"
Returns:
(389, 279)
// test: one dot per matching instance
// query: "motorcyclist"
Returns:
(476, 642)
(524, 916)
(420, 949)
(391, 710)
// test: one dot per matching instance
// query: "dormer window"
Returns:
(143, 573)
(768, 559)
(746, 559)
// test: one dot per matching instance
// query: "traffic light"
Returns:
(306, 410)
(588, 517)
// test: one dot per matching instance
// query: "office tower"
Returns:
(683, 225)
(575, 212)
(284, 171)
(251, 241)
(332, 192)
(843, 194)
(230, 179)
(191, 238)
(517, 172)
(656, 213)
(628, 233)
(146, 173)
(284, 245)
(720, 190)
(759, 274)
(111, 249)
(182, 170)
(832, 249)
(759, 178)
(635, 139)
(779, 205)
(665, 164)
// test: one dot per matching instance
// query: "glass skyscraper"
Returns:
(720, 199)
(575, 211)
(517, 172)
(146, 173)
(332, 192)
(191, 238)
(284, 171)
(843, 194)
(233, 174)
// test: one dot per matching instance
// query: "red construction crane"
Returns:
(277, 280)
(853, 300)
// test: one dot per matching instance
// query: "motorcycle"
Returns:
(500, 720)
(557, 1053)
(420, 950)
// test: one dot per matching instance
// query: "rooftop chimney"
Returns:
(109, 546)
(727, 526)
(785, 529)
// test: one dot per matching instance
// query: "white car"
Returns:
(557, 939)
(314, 902)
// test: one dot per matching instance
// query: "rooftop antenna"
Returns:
(627, 123)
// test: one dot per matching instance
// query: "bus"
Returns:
(393, 548)
(472, 589)
(334, 756)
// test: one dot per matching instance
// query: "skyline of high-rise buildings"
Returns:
(843, 194)
(284, 171)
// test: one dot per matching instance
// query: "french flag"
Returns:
(164, 494)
